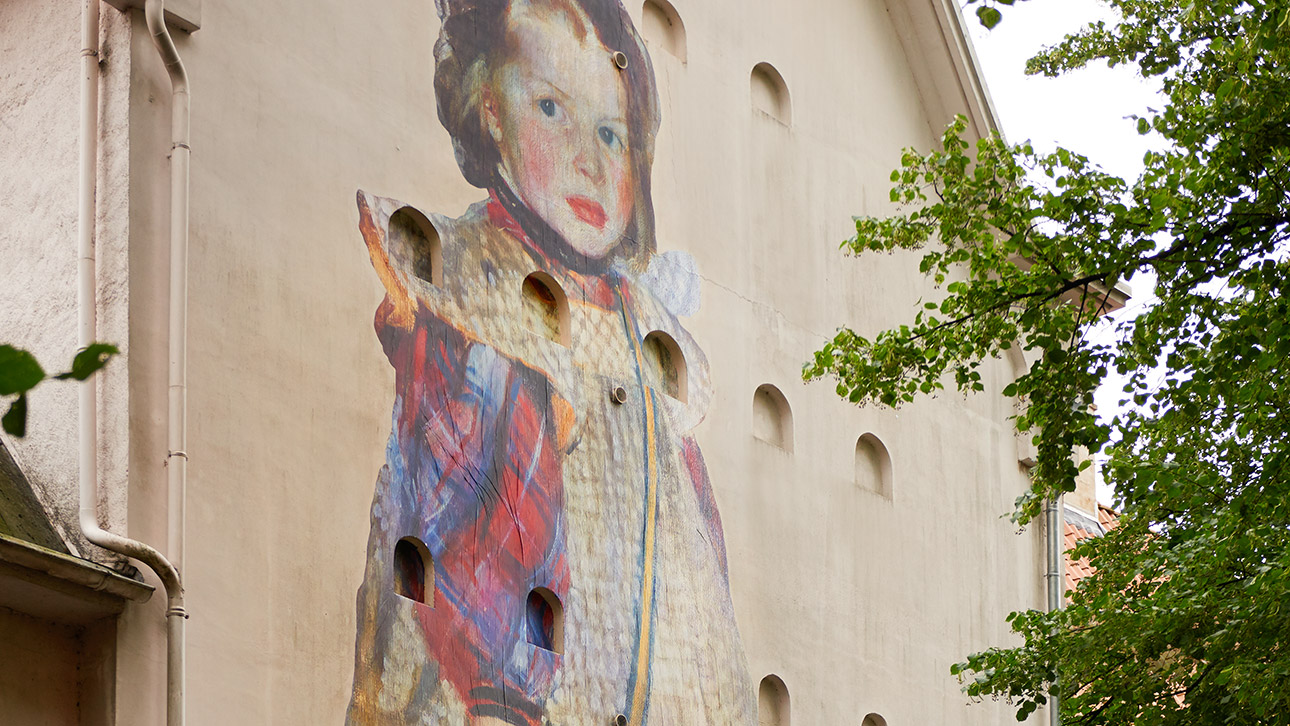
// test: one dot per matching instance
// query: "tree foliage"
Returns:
(1187, 619)
(20, 372)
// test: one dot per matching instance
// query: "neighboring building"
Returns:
(57, 616)
(1082, 517)
(1078, 527)
(613, 247)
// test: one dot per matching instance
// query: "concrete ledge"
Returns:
(58, 587)
(183, 14)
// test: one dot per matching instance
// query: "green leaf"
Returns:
(989, 16)
(19, 371)
(15, 419)
(1191, 589)
(88, 360)
(1225, 89)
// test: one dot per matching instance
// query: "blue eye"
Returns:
(547, 106)
(608, 136)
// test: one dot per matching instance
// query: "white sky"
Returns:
(1084, 111)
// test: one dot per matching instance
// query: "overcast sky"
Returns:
(1083, 111)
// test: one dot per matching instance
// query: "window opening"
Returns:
(770, 93)
(662, 26)
(873, 465)
(545, 308)
(414, 245)
(772, 417)
(413, 571)
(772, 702)
(544, 620)
(665, 365)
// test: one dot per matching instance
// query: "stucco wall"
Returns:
(858, 601)
(39, 105)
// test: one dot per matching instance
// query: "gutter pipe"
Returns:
(87, 324)
(73, 570)
(1055, 584)
(177, 387)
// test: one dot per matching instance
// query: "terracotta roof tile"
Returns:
(1075, 570)
(1106, 516)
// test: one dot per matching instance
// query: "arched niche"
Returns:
(664, 365)
(873, 466)
(414, 245)
(873, 719)
(413, 571)
(544, 620)
(545, 308)
(662, 27)
(1027, 454)
(770, 93)
(772, 702)
(772, 417)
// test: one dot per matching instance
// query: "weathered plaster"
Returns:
(858, 602)
(39, 97)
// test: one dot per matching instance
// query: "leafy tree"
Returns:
(20, 372)
(1187, 619)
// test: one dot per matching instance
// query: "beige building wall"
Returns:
(57, 673)
(39, 683)
(859, 599)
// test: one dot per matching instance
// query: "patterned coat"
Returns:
(512, 462)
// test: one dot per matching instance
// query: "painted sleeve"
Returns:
(698, 471)
(485, 467)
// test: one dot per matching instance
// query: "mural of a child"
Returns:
(508, 456)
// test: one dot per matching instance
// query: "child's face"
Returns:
(557, 112)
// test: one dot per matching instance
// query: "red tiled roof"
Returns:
(1107, 517)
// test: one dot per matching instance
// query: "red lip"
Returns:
(588, 211)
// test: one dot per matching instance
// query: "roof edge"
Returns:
(946, 69)
(69, 574)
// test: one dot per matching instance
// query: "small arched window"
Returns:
(772, 702)
(664, 365)
(414, 245)
(413, 571)
(545, 308)
(873, 466)
(662, 26)
(772, 417)
(544, 620)
(1027, 454)
(873, 719)
(770, 93)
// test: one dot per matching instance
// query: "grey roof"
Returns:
(21, 513)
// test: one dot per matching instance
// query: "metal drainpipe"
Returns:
(177, 388)
(177, 384)
(1052, 512)
(86, 328)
